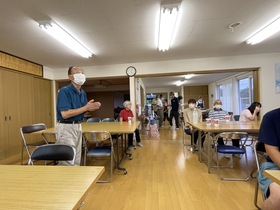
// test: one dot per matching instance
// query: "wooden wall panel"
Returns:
(18, 64)
(195, 92)
(107, 103)
(25, 100)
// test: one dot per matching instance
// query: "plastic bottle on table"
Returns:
(195, 116)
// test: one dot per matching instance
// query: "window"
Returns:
(224, 93)
(245, 90)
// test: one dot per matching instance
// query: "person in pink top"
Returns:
(251, 113)
(127, 115)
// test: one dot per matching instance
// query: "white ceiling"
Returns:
(198, 79)
(123, 31)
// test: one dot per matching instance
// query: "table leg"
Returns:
(125, 148)
(118, 158)
(209, 149)
(192, 149)
(200, 145)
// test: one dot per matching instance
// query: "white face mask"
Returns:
(191, 106)
(79, 78)
(218, 106)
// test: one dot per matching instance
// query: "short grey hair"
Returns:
(126, 103)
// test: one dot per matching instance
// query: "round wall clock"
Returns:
(131, 71)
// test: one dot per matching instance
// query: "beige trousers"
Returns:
(70, 134)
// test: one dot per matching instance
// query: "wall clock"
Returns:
(131, 71)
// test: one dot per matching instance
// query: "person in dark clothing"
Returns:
(174, 110)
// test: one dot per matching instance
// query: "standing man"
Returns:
(72, 103)
(160, 110)
(174, 110)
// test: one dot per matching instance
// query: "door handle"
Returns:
(5, 118)
(10, 118)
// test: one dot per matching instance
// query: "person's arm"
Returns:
(273, 153)
(250, 116)
(185, 118)
(90, 106)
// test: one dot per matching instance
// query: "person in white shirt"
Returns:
(251, 113)
(159, 105)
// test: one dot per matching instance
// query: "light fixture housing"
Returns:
(267, 31)
(179, 82)
(189, 76)
(56, 31)
(167, 22)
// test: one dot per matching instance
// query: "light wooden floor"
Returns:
(164, 175)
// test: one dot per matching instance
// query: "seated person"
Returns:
(270, 135)
(124, 115)
(219, 113)
(188, 117)
(251, 113)
(200, 103)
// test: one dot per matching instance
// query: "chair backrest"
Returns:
(236, 117)
(33, 128)
(54, 152)
(94, 119)
(260, 153)
(25, 130)
(108, 119)
(233, 135)
(98, 136)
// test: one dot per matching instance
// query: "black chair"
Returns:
(108, 119)
(53, 152)
(28, 142)
(231, 150)
(94, 119)
(236, 117)
(260, 156)
(103, 148)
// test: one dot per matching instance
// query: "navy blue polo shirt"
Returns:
(70, 98)
(175, 104)
(270, 129)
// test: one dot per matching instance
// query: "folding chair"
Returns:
(54, 152)
(108, 119)
(102, 148)
(260, 156)
(116, 136)
(25, 131)
(236, 117)
(231, 150)
(94, 119)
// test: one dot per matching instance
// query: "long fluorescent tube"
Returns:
(189, 76)
(179, 83)
(167, 23)
(265, 32)
(56, 31)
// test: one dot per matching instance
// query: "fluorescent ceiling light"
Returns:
(167, 23)
(64, 37)
(265, 32)
(188, 76)
(179, 83)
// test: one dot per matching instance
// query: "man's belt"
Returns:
(70, 122)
